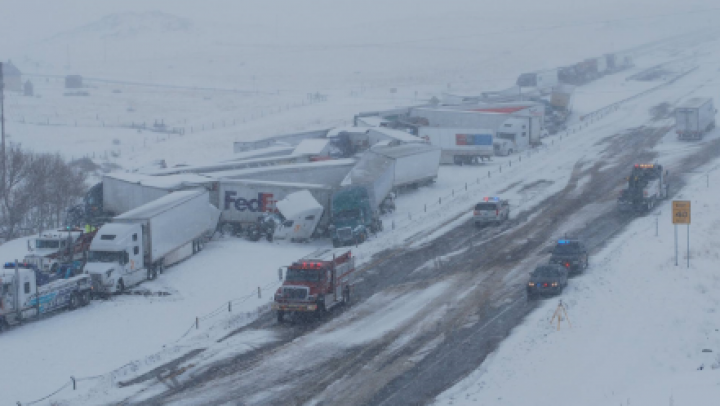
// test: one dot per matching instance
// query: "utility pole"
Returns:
(2, 128)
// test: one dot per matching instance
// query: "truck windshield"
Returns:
(302, 275)
(45, 244)
(347, 214)
(507, 136)
(105, 256)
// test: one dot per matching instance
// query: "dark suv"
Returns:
(547, 280)
(571, 254)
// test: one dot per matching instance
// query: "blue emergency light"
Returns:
(563, 242)
(494, 199)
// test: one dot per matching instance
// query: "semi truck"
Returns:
(26, 292)
(141, 243)
(51, 248)
(646, 185)
(413, 165)
(545, 79)
(460, 145)
(694, 118)
(356, 207)
(521, 125)
(315, 284)
(301, 214)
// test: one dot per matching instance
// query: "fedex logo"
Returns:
(263, 203)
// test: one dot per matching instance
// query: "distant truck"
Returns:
(542, 80)
(139, 244)
(647, 184)
(413, 165)
(694, 118)
(315, 284)
(26, 292)
(51, 248)
(460, 145)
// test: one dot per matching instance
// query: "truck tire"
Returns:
(160, 268)
(54, 267)
(152, 273)
(85, 298)
(74, 302)
(346, 296)
(380, 225)
(120, 288)
(280, 316)
(200, 245)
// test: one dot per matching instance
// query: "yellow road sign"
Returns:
(681, 212)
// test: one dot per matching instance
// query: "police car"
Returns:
(492, 210)
(570, 253)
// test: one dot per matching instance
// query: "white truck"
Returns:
(53, 247)
(139, 244)
(694, 118)
(545, 79)
(301, 213)
(523, 126)
(460, 145)
(414, 164)
(26, 292)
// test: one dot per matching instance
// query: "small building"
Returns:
(12, 77)
(28, 89)
(73, 82)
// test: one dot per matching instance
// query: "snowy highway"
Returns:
(427, 315)
(438, 312)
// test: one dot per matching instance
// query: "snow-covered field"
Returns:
(356, 67)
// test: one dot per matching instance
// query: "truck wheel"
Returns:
(152, 273)
(160, 268)
(85, 298)
(380, 225)
(346, 296)
(120, 288)
(74, 301)
(54, 267)
(280, 316)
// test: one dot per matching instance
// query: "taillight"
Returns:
(567, 265)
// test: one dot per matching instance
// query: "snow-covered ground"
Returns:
(129, 334)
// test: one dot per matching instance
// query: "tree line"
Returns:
(37, 190)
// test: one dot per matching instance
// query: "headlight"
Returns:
(531, 284)
(554, 284)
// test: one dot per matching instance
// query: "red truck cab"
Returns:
(315, 284)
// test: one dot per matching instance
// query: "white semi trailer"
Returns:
(139, 244)
(694, 118)
(460, 145)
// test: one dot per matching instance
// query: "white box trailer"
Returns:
(330, 172)
(694, 118)
(244, 200)
(123, 192)
(301, 213)
(522, 125)
(414, 164)
(139, 244)
(376, 173)
(460, 145)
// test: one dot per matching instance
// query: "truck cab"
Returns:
(47, 248)
(517, 132)
(353, 218)
(646, 185)
(115, 260)
(315, 284)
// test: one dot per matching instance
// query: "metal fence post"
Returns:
(259, 293)
(197, 323)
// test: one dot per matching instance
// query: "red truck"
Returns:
(315, 284)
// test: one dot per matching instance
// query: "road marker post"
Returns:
(681, 214)
(559, 312)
